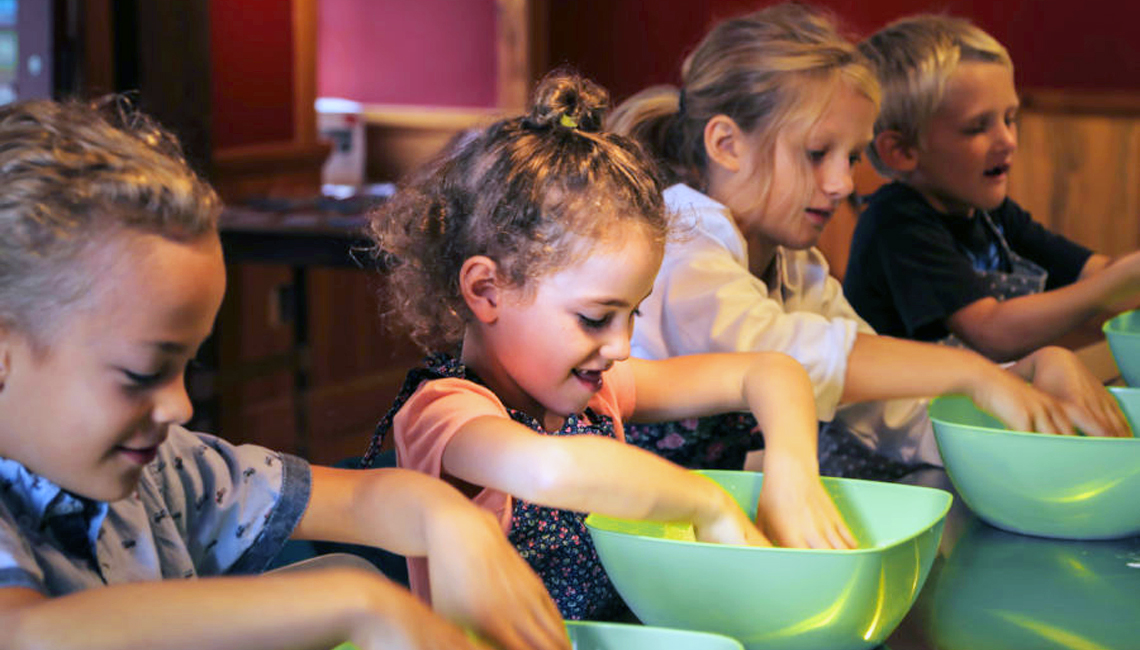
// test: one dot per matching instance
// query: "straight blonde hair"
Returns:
(914, 58)
(772, 71)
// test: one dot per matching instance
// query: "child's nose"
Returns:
(837, 181)
(172, 404)
(1008, 136)
(616, 346)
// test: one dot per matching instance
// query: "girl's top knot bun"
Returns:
(565, 99)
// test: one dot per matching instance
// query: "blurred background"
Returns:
(304, 112)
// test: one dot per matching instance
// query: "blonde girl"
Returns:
(758, 143)
(520, 259)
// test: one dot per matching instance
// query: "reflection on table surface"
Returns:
(994, 590)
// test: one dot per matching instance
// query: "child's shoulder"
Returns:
(896, 200)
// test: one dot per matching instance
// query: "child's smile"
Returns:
(547, 349)
(92, 409)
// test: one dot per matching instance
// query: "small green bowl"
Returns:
(1071, 487)
(590, 635)
(1123, 334)
(791, 599)
(997, 589)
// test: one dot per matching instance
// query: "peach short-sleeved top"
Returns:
(440, 407)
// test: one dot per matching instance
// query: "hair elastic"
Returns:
(568, 122)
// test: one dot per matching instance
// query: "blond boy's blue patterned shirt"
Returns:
(203, 507)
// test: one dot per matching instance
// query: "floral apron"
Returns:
(554, 542)
(723, 442)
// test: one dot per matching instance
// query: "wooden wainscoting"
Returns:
(1078, 167)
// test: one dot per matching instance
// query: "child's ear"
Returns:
(724, 142)
(895, 152)
(5, 354)
(479, 284)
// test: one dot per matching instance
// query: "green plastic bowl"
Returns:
(1123, 334)
(589, 635)
(790, 599)
(1071, 487)
(1000, 590)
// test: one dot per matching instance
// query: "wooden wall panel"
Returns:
(1079, 174)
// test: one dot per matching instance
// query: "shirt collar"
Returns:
(41, 500)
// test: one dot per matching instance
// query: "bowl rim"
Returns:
(1056, 439)
(1113, 325)
(656, 628)
(948, 500)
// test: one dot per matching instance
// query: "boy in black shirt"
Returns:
(942, 253)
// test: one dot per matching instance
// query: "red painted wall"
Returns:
(434, 52)
(442, 52)
(251, 67)
(628, 44)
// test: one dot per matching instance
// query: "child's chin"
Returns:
(992, 203)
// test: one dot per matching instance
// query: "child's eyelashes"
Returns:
(817, 156)
(143, 380)
(594, 323)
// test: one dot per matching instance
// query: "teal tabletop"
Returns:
(994, 590)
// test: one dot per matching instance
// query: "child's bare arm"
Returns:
(1009, 329)
(1090, 406)
(310, 610)
(593, 474)
(882, 367)
(477, 578)
(794, 508)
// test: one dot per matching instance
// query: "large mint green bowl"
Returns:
(1123, 334)
(589, 635)
(790, 599)
(1071, 487)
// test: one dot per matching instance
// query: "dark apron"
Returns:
(554, 542)
(1024, 278)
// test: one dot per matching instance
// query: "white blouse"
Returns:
(715, 304)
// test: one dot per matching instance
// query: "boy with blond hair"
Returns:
(942, 252)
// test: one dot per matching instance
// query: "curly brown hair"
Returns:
(72, 172)
(534, 193)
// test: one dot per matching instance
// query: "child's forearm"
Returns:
(773, 386)
(1009, 329)
(475, 573)
(586, 474)
(779, 394)
(389, 508)
(306, 609)
(883, 367)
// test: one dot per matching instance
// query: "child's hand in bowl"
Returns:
(726, 523)
(794, 509)
(478, 580)
(1087, 402)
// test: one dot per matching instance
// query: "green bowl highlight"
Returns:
(997, 589)
(1123, 334)
(1071, 487)
(791, 599)
(590, 635)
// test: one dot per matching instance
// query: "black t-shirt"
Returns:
(911, 267)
